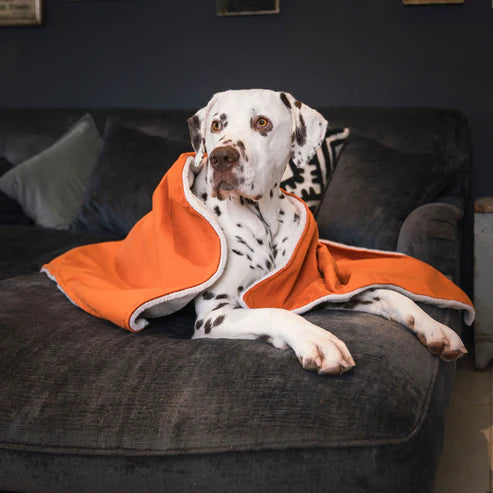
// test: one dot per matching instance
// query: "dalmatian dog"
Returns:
(243, 141)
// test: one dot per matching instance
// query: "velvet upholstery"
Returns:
(374, 188)
(86, 387)
(129, 168)
(24, 249)
(86, 406)
(431, 233)
(10, 210)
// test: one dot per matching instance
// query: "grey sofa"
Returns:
(86, 406)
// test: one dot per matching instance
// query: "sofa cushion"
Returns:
(24, 249)
(10, 210)
(74, 384)
(130, 167)
(374, 188)
(50, 185)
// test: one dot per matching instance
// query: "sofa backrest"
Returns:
(26, 131)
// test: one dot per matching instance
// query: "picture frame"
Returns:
(247, 7)
(430, 2)
(20, 12)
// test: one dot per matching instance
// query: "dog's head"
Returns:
(249, 137)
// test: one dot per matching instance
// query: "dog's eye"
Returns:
(216, 126)
(263, 123)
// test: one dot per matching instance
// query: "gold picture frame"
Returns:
(429, 2)
(20, 12)
(247, 7)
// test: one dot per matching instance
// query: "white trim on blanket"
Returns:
(175, 301)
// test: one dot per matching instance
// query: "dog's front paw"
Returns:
(442, 341)
(323, 352)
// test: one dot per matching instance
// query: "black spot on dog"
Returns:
(217, 210)
(222, 297)
(300, 132)
(198, 324)
(297, 104)
(241, 145)
(237, 252)
(285, 100)
(260, 267)
(281, 221)
(239, 225)
(242, 202)
(248, 257)
(259, 241)
(219, 320)
(283, 253)
(204, 196)
(223, 117)
(281, 212)
(251, 186)
(271, 193)
(284, 239)
(208, 295)
(221, 305)
(252, 267)
(207, 326)
(258, 197)
(282, 196)
(268, 264)
(377, 298)
(240, 289)
(296, 217)
(242, 180)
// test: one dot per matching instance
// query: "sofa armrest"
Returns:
(431, 234)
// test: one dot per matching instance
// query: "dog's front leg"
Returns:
(316, 349)
(437, 337)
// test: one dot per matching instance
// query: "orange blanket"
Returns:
(178, 250)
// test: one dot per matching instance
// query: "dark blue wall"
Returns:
(157, 53)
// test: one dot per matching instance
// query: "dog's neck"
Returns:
(266, 212)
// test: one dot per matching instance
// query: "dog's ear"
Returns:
(308, 128)
(197, 129)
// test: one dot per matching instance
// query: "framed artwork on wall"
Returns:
(247, 7)
(429, 2)
(20, 12)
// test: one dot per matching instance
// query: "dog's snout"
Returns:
(224, 157)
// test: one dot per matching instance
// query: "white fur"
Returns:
(261, 228)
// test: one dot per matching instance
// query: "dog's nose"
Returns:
(224, 157)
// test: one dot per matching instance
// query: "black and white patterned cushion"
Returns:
(310, 182)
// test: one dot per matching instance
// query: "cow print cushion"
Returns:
(310, 182)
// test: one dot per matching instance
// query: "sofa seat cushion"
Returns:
(74, 383)
(24, 249)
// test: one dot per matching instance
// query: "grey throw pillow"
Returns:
(374, 188)
(50, 186)
(129, 168)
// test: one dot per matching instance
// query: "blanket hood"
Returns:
(178, 250)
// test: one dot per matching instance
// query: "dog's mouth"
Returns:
(223, 189)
